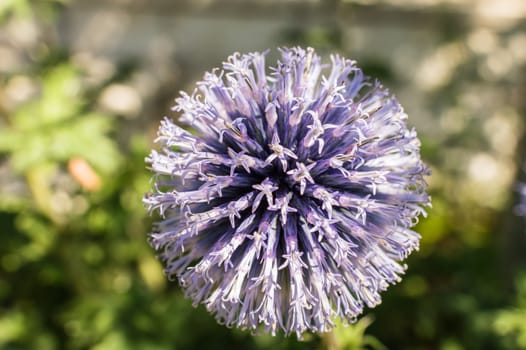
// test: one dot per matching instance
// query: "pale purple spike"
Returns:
(292, 204)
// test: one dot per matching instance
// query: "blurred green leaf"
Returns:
(12, 326)
(17, 7)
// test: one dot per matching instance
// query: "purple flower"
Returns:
(520, 209)
(292, 204)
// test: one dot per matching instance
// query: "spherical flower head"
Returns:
(291, 204)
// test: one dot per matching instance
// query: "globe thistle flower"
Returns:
(292, 204)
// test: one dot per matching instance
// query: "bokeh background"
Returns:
(83, 85)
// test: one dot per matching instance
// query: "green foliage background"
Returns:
(76, 271)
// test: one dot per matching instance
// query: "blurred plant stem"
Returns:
(351, 337)
(38, 179)
(330, 342)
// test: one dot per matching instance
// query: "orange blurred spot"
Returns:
(84, 174)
